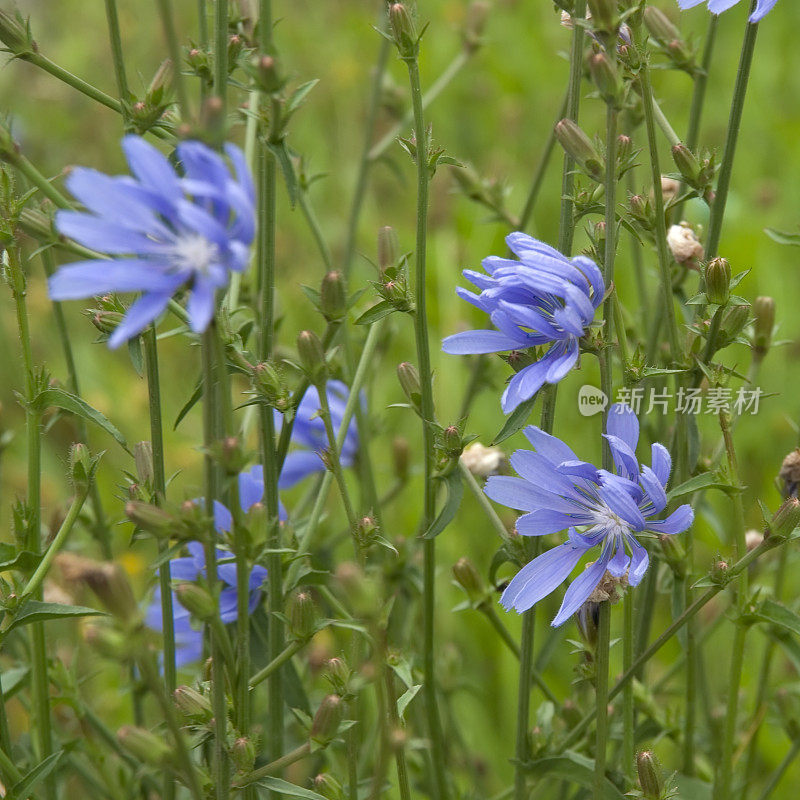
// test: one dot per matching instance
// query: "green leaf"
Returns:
(455, 493)
(24, 560)
(776, 614)
(516, 420)
(190, 403)
(706, 480)
(573, 768)
(60, 398)
(780, 237)
(284, 787)
(402, 669)
(36, 611)
(298, 96)
(23, 789)
(13, 679)
(378, 311)
(406, 698)
(136, 355)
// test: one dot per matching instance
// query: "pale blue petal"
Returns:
(91, 278)
(581, 589)
(139, 316)
(480, 342)
(677, 522)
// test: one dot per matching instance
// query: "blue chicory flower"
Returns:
(763, 7)
(309, 433)
(165, 230)
(544, 298)
(560, 492)
(188, 638)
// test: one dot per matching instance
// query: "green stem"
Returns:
(522, 750)
(10, 772)
(173, 45)
(566, 227)
(265, 25)
(218, 698)
(160, 490)
(116, 54)
(628, 722)
(734, 125)
(290, 650)
(602, 697)
(427, 412)
(276, 766)
(484, 502)
(58, 541)
(221, 51)
(399, 750)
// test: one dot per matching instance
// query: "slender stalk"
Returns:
(40, 682)
(173, 45)
(160, 489)
(566, 227)
(732, 138)
(221, 50)
(33, 585)
(522, 751)
(277, 662)
(9, 768)
(218, 699)
(628, 729)
(116, 53)
(427, 412)
(276, 766)
(602, 697)
(724, 775)
(403, 783)
(484, 502)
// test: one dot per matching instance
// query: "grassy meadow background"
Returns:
(497, 115)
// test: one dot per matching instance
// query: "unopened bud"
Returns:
(400, 456)
(15, 34)
(579, 147)
(624, 148)
(588, 619)
(687, 163)
(81, 467)
(403, 30)
(734, 321)
(192, 704)
(763, 325)
(366, 530)
(106, 321)
(143, 459)
(196, 600)
(684, 244)
(108, 581)
(327, 786)
(408, 376)
(243, 754)
(327, 720)
(718, 281)
(753, 539)
(267, 73)
(162, 79)
(483, 461)
(670, 188)
(604, 15)
(388, 248)
(790, 473)
(452, 443)
(468, 577)
(270, 386)
(660, 26)
(338, 674)
(474, 24)
(312, 356)
(150, 518)
(786, 519)
(651, 776)
(302, 615)
(146, 746)
(607, 79)
(333, 302)
(719, 572)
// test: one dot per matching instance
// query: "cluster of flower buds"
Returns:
(487, 192)
(146, 112)
(393, 283)
(15, 34)
(107, 315)
(187, 523)
(667, 36)
(269, 386)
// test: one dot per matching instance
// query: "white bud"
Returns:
(483, 461)
(684, 244)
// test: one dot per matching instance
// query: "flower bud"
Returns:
(607, 79)
(483, 461)
(196, 600)
(36, 224)
(243, 754)
(790, 473)
(474, 25)
(333, 302)
(604, 15)
(403, 30)
(106, 321)
(674, 554)
(624, 148)
(687, 163)
(81, 467)
(719, 572)
(410, 383)
(269, 385)
(468, 577)
(718, 281)
(366, 530)
(192, 704)
(327, 720)
(578, 146)
(651, 776)
(107, 581)
(162, 80)
(670, 188)
(452, 443)
(143, 459)
(267, 74)
(312, 356)
(15, 34)
(660, 26)
(684, 244)
(338, 675)
(734, 321)
(388, 248)
(764, 323)
(150, 518)
(146, 746)
(302, 615)
(400, 457)
(786, 519)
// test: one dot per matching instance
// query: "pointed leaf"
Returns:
(284, 787)
(516, 420)
(23, 789)
(60, 398)
(573, 768)
(37, 611)
(455, 493)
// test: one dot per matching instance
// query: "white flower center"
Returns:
(605, 518)
(195, 252)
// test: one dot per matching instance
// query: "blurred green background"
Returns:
(496, 115)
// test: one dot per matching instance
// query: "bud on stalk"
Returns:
(327, 720)
(146, 746)
(196, 600)
(143, 459)
(192, 704)
(302, 616)
(687, 163)
(468, 577)
(578, 146)
(604, 15)
(607, 79)
(651, 776)
(764, 311)
(403, 30)
(312, 356)
(333, 302)
(388, 248)
(718, 281)
(408, 376)
(786, 519)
